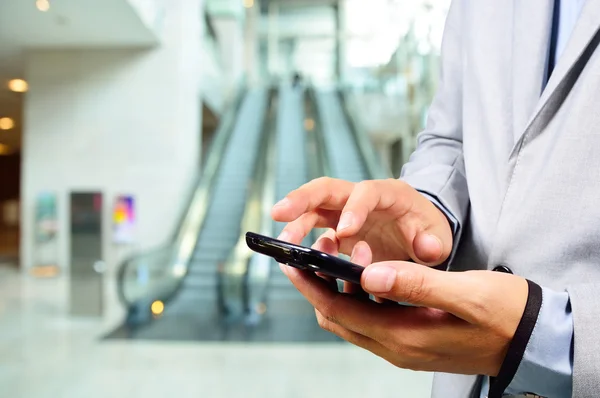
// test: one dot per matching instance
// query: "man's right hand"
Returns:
(396, 221)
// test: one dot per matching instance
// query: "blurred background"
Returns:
(140, 140)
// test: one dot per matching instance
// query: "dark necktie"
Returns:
(554, 38)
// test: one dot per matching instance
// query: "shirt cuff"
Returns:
(547, 365)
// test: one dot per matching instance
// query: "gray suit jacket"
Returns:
(520, 169)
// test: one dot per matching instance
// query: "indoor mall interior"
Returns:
(141, 139)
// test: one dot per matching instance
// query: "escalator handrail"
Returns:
(375, 168)
(180, 249)
(267, 201)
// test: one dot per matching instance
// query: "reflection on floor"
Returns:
(45, 353)
(292, 321)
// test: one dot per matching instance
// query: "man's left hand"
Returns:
(460, 322)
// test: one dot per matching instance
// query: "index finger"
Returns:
(325, 193)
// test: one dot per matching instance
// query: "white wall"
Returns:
(118, 121)
(151, 12)
(230, 33)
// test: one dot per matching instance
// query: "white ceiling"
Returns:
(68, 24)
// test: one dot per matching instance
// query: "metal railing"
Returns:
(259, 267)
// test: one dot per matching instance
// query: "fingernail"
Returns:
(282, 203)
(284, 236)
(345, 221)
(432, 240)
(380, 279)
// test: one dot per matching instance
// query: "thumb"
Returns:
(414, 284)
(433, 244)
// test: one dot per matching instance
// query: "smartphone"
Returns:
(304, 258)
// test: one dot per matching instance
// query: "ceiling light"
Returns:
(4, 149)
(42, 5)
(18, 85)
(248, 3)
(6, 123)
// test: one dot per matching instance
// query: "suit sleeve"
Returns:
(586, 340)
(437, 165)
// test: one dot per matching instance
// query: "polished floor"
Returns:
(45, 353)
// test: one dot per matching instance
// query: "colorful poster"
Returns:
(46, 220)
(124, 220)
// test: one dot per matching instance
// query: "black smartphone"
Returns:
(305, 258)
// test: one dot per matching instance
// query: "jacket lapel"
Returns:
(585, 30)
(531, 40)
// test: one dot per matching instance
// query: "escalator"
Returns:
(288, 317)
(190, 307)
(207, 285)
(316, 135)
(345, 149)
(221, 228)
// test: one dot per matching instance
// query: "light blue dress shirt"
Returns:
(569, 14)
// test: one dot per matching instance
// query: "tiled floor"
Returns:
(44, 353)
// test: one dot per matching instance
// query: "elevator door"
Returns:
(86, 254)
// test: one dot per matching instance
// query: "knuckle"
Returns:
(329, 311)
(323, 181)
(362, 195)
(413, 289)
(365, 187)
(328, 314)
(329, 234)
(396, 182)
(323, 322)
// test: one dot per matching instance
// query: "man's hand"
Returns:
(396, 221)
(461, 323)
